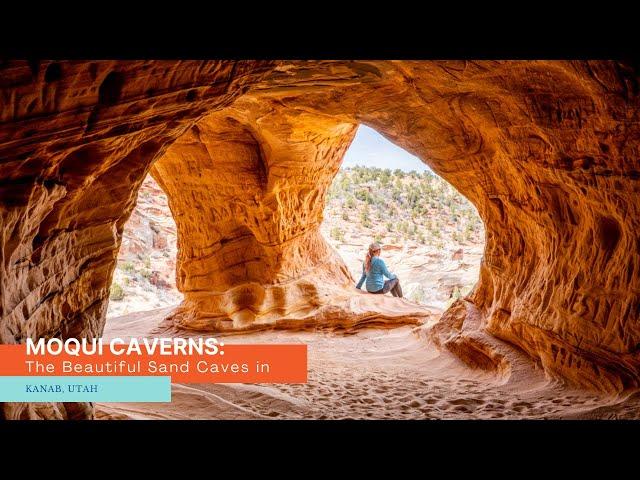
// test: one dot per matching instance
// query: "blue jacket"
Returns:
(375, 278)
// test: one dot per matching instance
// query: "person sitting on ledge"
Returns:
(374, 270)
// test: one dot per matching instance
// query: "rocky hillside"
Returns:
(145, 275)
(432, 236)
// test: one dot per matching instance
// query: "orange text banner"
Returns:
(260, 363)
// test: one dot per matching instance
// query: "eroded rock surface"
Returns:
(246, 188)
(548, 151)
(76, 141)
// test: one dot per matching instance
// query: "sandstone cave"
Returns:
(381, 193)
(547, 151)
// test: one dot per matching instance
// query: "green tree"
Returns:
(385, 177)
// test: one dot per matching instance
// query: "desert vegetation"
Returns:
(432, 236)
(419, 218)
(395, 206)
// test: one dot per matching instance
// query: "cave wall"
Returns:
(247, 188)
(546, 150)
(548, 153)
(76, 141)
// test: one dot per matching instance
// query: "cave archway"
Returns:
(546, 150)
(247, 188)
(144, 278)
(432, 236)
(499, 145)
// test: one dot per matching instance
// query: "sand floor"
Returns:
(373, 374)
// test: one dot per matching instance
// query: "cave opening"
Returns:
(432, 236)
(144, 278)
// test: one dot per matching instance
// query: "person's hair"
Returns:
(374, 247)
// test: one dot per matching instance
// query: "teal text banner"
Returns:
(85, 389)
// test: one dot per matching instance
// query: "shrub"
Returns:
(469, 231)
(365, 196)
(128, 267)
(418, 295)
(385, 177)
(337, 234)
(116, 292)
(456, 294)
(466, 290)
(364, 214)
(350, 203)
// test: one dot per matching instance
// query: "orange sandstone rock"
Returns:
(247, 188)
(548, 151)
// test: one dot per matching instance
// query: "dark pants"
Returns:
(392, 286)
